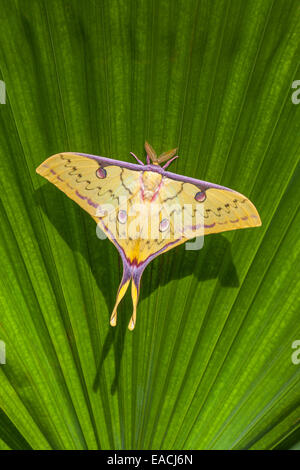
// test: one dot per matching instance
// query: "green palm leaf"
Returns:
(209, 363)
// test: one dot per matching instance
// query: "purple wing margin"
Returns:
(110, 161)
(157, 169)
(202, 184)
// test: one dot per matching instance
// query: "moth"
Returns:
(123, 197)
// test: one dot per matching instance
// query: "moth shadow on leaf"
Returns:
(213, 261)
(103, 261)
(63, 214)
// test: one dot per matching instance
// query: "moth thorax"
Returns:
(150, 183)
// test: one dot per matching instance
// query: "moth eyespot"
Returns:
(164, 225)
(201, 196)
(100, 212)
(122, 216)
(101, 173)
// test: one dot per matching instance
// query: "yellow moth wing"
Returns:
(76, 176)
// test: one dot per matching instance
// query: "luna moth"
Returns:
(111, 190)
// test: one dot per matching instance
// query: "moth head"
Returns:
(164, 157)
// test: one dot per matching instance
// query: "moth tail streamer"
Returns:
(135, 299)
(121, 292)
(135, 291)
(134, 276)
